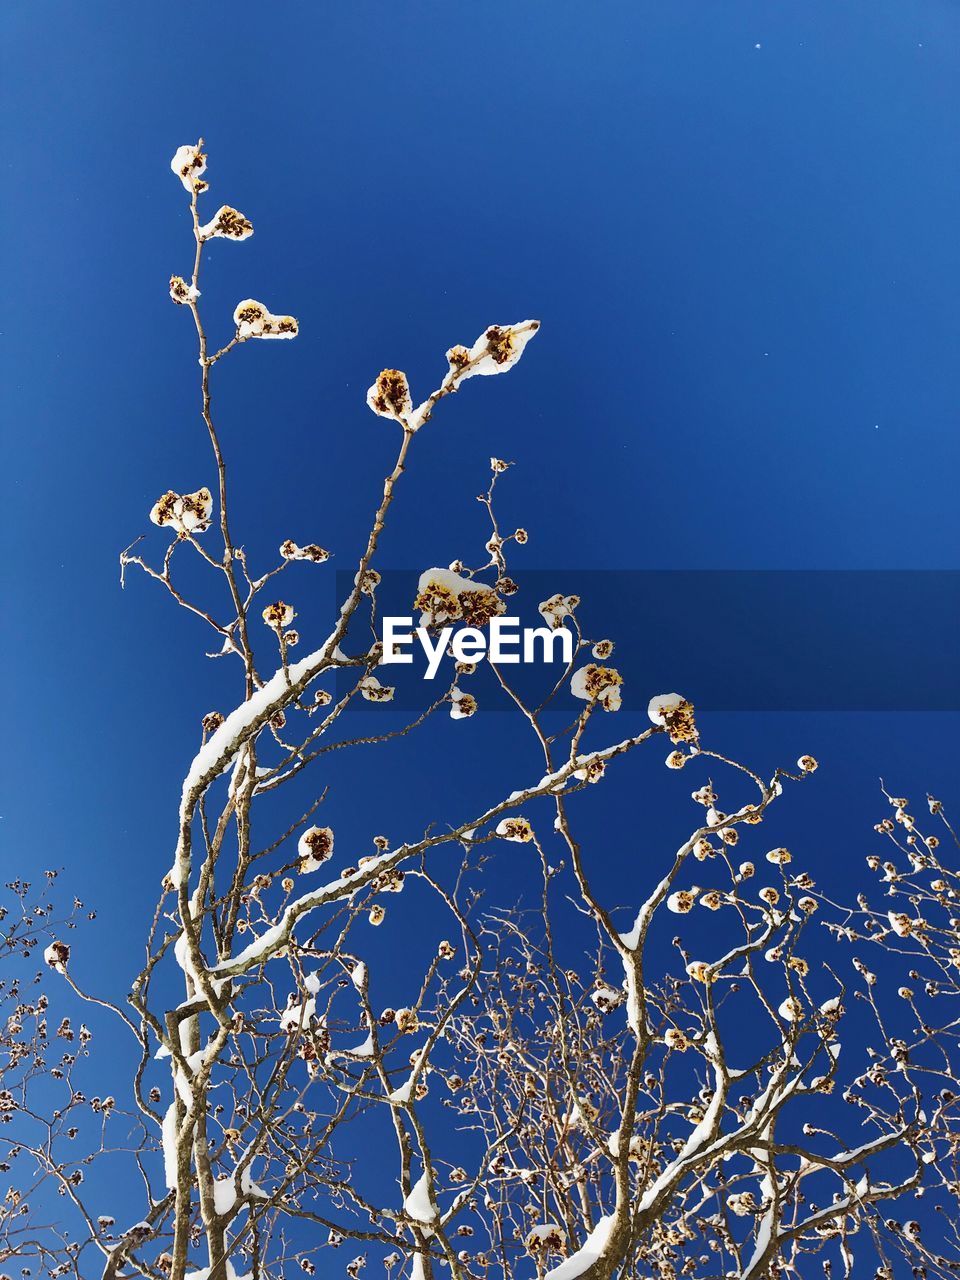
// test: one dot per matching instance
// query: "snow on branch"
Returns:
(704, 1065)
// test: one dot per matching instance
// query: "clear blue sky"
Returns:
(738, 224)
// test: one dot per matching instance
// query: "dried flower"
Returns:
(188, 163)
(594, 683)
(592, 772)
(791, 1009)
(228, 224)
(443, 596)
(901, 924)
(676, 714)
(278, 615)
(557, 608)
(606, 998)
(462, 704)
(254, 320)
(57, 956)
(548, 1238)
(518, 829)
(315, 847)
(289, 550)
(699, 971)
(181, 292)
(407, 1021)
(184, 513)
(496, 350)
(373, 691)
(390, 395)
(478, 604)
(743, 1204)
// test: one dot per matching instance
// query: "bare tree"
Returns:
(565, 1092)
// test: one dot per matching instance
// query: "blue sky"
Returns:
(737, 223)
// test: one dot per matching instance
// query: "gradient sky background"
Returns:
(737, 223)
